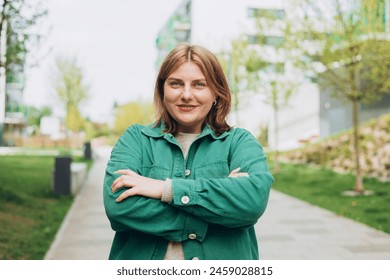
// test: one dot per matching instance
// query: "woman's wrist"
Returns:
(167, 191)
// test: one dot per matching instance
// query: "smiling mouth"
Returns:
(187, 106)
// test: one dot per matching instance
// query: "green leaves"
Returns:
(17, 18)
(132, 113)
(349, 45)
(71, 89)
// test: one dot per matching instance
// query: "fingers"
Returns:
(125, 172)
(241, 174)
(126, 180)
(118, 183)
(236, 170)
(126, 194)
(235, 173)
(121, 181)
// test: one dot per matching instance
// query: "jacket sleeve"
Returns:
(229, 202)
(139, 213)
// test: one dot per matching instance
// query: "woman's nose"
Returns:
(186, 94)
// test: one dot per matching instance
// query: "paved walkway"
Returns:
(85, 233)
(289, 230)
(292, 229)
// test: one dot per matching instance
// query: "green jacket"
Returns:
(210, 213)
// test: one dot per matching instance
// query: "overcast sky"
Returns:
(114, 43)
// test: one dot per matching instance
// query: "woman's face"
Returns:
(188, 98)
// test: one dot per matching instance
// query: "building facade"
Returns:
(214, 24)
(177, 29)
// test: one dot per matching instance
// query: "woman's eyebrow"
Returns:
(174, 79)
(195, 80)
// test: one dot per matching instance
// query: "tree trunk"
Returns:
(2, 23)
(276, 138)
(236, 115)
(235, 106)
(359, 181)
(3, 48)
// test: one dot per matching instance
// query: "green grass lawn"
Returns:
(30, 214)
(324, 188)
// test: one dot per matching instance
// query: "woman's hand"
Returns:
(236, 174)
(137, 184)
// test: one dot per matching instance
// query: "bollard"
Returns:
(62, 175)
(87, 150)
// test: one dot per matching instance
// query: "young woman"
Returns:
(187, 186)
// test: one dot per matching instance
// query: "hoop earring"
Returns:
(215, 102)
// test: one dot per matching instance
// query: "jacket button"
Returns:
(195, 259)
(192, 236)
(185, 199)
(187, 172)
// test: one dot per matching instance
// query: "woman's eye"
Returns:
(174, 84)
(200, 85)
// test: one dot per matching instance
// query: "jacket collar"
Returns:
(156, 132)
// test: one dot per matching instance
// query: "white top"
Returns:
(175, 250)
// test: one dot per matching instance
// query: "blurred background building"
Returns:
(311, 113)
(15, 111)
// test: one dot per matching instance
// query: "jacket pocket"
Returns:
(155, 172)
(213, 170)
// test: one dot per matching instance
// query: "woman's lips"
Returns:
(186, 108)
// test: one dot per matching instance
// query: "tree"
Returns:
(275, 64)
(238, 67)
(74, 120)
(347, 50)
(16, 40)
(132, 113)
(71, 89)
(18, 18)
(277, 91)
(94, 130)
(34, 115)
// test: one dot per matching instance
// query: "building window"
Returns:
(266, 13)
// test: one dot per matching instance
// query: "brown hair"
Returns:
(210, 67)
